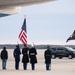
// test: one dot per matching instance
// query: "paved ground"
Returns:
(63, 66)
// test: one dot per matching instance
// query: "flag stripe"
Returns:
(23, 40)
(20, 34)
(23, 33)
(23, 37)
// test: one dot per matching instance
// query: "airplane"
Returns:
(9, 7)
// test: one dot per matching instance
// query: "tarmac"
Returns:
(62, 66)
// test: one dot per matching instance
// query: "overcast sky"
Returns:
(47, 23)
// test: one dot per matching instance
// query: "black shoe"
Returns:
(3, 68)
(25, 69)
(33, 69)
(17, 69)
(48, 69)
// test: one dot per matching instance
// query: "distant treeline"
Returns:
(12, 46)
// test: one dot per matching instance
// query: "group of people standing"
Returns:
(29, 55)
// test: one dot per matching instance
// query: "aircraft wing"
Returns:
(9, 11)
(8, 7)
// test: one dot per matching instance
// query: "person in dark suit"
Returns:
(33, 58)
(47, 56)
(4, 57)
(16, 54)
(25, 58)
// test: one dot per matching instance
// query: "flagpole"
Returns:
(26, 29)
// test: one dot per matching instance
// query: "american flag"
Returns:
(23, 33)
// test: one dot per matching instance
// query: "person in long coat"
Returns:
(47, 56)
(25, 58)
(4, 57)
(16, 54)
(33, 58)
